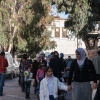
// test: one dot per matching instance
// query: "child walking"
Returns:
(28, 77)
(49, 86)
(39, 76)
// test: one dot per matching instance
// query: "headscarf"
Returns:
(82, 53)
(61, 55)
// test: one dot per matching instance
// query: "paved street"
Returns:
(12, 91)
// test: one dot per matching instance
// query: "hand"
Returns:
(67, 69)
(94, 85)
(21, 70)
(38, 81)
(62, 72)
(69, 87)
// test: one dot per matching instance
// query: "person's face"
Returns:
(42, 55)
(43, 67)
(78, 56)
(29, 69)
(52, 55)
(39, 58)
(23, 60)
(49, 72)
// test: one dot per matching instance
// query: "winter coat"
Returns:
(3, 64)
(57, 64)
(44, 92)
(40, 74)
(35, 67)
(86, 73)
(24, 65)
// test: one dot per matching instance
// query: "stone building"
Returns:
(66, 42)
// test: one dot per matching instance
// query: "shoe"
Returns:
(27, 97)
(1, 94)
(23, 90)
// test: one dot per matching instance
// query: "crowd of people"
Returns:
(49, 75)
(39, 71)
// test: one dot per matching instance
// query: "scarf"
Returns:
(83, 56)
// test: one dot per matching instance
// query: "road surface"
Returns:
(12, 91)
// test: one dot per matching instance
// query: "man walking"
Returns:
(24, 64)
(3, 65)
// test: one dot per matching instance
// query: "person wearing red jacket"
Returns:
(3, 65)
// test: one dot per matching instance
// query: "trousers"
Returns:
(2, 77)
(97, 95)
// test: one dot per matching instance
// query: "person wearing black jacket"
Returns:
(43, 61)
(35, 67)
(57, 64)
(24, 64)
(82, 71)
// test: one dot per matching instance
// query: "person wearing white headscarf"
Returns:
(80, 70)
(82, 53)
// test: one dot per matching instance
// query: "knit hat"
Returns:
(61, 55)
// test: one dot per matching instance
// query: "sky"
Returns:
(54, 12)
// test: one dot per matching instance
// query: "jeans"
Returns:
(19, 80)
(35, 86)
(22, 82)
(2, 76)
(38, 86)
(51, 97)
(27, 88)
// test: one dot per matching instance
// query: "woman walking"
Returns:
(82, 71)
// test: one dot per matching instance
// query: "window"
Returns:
(64, 32)
(57, 32)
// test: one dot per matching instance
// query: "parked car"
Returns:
(16, 66)
(10, 71)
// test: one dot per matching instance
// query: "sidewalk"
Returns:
(12, 91)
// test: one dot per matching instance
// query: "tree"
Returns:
(23, 24)
(81, 17)
(83, 20)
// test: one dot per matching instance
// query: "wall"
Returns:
(67, 44)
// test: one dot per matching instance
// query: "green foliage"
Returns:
(80, 21)
(79, 17)
(23, 23)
